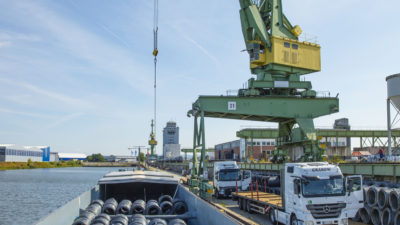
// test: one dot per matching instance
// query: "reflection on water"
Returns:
(28, 195)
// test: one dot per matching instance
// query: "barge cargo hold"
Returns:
(144, 185)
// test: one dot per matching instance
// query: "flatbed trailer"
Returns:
(260, 202)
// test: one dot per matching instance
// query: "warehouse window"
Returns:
(264, 143)
(294, 46)
(286, 44)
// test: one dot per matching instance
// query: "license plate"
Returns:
(327, 222)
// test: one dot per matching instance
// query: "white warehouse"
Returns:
(14, 153)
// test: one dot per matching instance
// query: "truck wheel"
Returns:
(293, 220)
(272, 216)
(248, 207)
(240, 201)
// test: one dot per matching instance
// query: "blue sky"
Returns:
(77, 75)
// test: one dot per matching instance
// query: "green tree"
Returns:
(142, 157)
(96, 158)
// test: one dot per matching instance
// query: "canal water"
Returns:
(28, 195)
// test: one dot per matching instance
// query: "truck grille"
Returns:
(322, 211)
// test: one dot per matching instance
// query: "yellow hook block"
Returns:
(155, 52)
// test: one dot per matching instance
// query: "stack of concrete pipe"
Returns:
(128, 213)
(381, 205)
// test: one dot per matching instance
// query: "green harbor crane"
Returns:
(277, 93)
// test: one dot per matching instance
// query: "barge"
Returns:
(140, 185)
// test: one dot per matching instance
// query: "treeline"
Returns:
(95, 158)
(35, 165)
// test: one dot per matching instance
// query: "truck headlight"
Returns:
(345, 221)
(309, 222)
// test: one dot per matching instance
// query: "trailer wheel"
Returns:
(216, 193)
(293, 220)
(272, 216)
(248, 207)
(240, 201)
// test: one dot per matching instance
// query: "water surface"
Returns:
(28, 195)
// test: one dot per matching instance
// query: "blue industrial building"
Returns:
(71, 156)
(13, 153)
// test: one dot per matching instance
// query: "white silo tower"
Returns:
(393, 87)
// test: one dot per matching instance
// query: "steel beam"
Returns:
(273, 133)
(264, 108)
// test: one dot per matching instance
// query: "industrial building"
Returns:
(171, 146)
(71, 156)
(14, 153)
(235, 150)
(120, 158)
(338, 146)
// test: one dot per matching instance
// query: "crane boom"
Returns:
(152, 141)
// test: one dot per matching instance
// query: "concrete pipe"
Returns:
(383, 198)
(177, 222)
(164, 198)
(110, 206)
(124, 207)
(152, 208)
(85, 218)
(157, 222)
(387, 217)
(357, 217)
(120, 219)
(98, 202)
(102, 219)
(166, 207)
(365, 214)
(376, 216)
(82, 221)
(372, 196)
(138, 207)
(397, 218)
(94, 208)
(138, 219)
(179, 206)
(365, 191)
(394, 199)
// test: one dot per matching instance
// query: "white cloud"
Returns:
(49, 94)
(4, 44)
(10, 111)
(64, 119)
(111, 59)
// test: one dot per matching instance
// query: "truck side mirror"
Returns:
(296, 187)
(350, 186)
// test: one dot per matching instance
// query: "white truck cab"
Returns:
(317, 193)
(226, 174)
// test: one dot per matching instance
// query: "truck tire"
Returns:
(216, 193)
(240, 202)
(248, 207)
(293, 220)
(272, 216)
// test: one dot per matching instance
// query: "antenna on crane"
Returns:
(152, 141)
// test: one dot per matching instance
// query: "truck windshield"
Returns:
(228, 175)
(323, 187)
